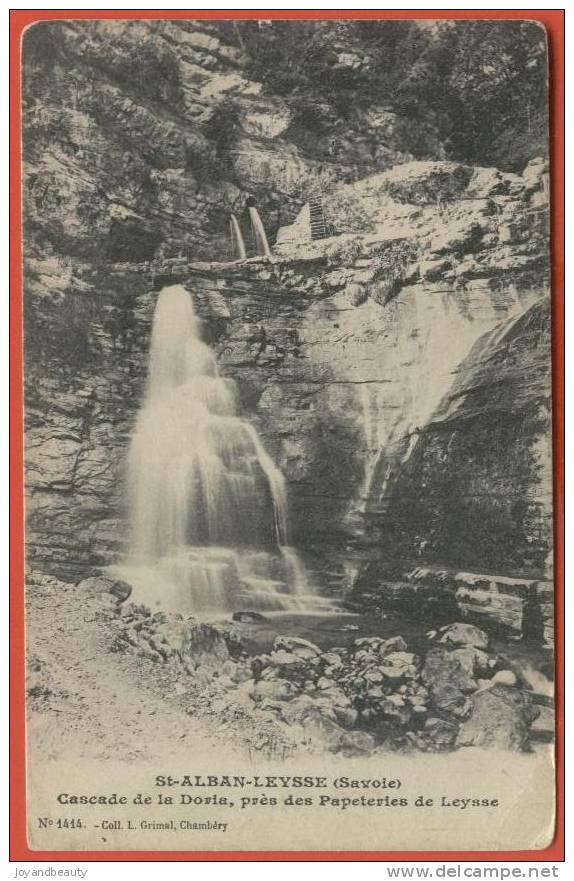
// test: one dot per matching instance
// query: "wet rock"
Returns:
(299, 647)
(368, 643)
(395, 709)
(249, 617)
(500, 718)
(325, 683)
(464, 634)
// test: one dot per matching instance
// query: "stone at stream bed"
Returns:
(331, 659)
(464, 634)
(474, 661)
(395, 644)
(443, 668)
(399, 665)
(300, 647)
(500, 718)
(249, 617)
(282, 658)
(504, 677)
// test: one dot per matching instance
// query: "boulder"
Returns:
(104, 584)
(474, 661)
(399, 665)
(460, 634)
(504, 677)
(346, 716)
(331, 659)
(249, 617)
(448, 680)
(300, 647)
(282, 658)
(440, 733)
(500, 718)
(395, 644)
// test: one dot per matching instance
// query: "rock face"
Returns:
(396, 371)
(141, 138)
(500, 719)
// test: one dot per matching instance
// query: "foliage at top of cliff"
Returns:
(141, 137)
(480, 85)
(472, 91)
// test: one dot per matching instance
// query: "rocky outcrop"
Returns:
(398, 378)
(501, 717)
(374, 694)
(397, 370)
(141, 137)
(496, 513)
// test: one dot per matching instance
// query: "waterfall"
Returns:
(237, 244)
(261, 243)
(373, 429)
(208, 504)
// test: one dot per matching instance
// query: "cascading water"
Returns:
(261, 243)
(237, 244)
(209, 510)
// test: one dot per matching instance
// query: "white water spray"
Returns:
(209, 505)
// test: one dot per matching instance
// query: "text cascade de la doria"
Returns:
(270, 796)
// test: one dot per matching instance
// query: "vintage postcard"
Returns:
(288, 434)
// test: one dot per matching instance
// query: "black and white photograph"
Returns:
(288, 434)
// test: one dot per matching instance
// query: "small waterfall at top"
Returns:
(261, 243)
(237, 244)
(209, 512)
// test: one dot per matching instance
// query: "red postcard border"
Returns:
(553, 19)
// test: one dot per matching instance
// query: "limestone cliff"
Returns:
(396, 370)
